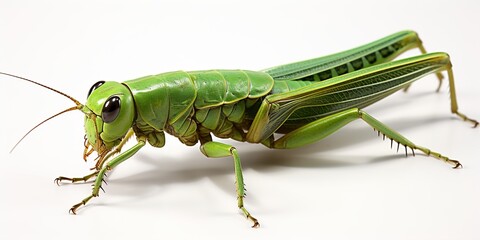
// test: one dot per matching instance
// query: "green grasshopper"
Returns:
(305, 101)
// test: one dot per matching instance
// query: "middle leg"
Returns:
(216, 149)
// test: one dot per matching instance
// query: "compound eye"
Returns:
(95, 86)
(111, 109)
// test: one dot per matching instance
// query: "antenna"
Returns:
(47, 87)
(77, 107)
(42, 122)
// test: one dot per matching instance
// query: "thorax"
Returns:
(192, 105)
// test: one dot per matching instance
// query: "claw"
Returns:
(72, 211)
(256, 224)
(74, 208)
(457, 164)
(58, 180)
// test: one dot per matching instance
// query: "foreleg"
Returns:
(109, 166)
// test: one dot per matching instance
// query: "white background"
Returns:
(349, 186)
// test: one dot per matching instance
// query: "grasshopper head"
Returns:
(109, 114)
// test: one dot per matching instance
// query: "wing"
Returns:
(358, 89)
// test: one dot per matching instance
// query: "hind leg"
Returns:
(322, 128)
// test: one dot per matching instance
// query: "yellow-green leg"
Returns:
(322, 128)
(99, 164)
(216, 149)
(109, 166)
(116, 150)
(453, 100)
(58, 180)
(439, 75)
